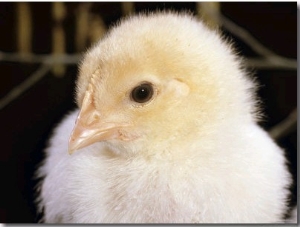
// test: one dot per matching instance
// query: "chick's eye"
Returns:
(142, 93)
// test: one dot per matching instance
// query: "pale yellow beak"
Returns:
(90, 128)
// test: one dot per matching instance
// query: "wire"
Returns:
(25, 85)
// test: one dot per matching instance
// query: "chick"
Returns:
(166, 132)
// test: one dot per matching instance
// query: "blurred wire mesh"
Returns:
(42, 43)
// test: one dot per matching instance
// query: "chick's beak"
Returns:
(89, 128)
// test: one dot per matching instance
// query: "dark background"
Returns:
(26, 123)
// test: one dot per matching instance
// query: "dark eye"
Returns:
(142, 93)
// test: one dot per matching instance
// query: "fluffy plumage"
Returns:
(193, 153)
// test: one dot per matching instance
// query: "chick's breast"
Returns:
(166, 132)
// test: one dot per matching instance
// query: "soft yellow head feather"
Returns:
(198, 81)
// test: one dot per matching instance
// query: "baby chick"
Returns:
(166, 132)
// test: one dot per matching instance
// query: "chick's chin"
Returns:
(136, 142)
(122, 144)
(123, 148)
(154, 141)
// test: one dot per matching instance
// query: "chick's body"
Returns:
(191, 153)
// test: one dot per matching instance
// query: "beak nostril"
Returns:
(92, 118)
(96, 117)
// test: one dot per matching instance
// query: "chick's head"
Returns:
(156, 79)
